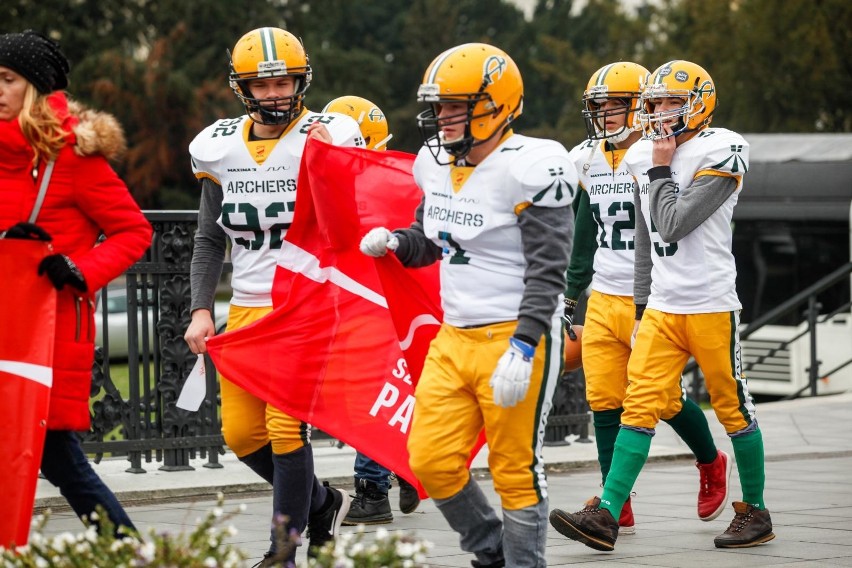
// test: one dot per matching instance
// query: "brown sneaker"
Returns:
(750, 527)
(593, 526)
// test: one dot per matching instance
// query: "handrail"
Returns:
(787, 306)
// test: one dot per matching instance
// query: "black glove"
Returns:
(61, 270)
(568, 318)
(28, 231)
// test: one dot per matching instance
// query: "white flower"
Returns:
(382, 534)
(406, 549)
(92, 533)
(147, 551)
(61, 541)
(41, 562)
(217, 512)
(242, 508)
(211, 562)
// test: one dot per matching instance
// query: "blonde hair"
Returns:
(40, 125)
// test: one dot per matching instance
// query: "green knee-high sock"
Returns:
(748, 450)
(691, 425)
(631, 451)
(606, 429)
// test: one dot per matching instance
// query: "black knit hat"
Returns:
(37, 58)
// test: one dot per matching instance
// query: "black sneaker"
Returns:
(324, 526)
(750, 527)
(592, 526)
(370, 506)
(478, 564)
(409, 500)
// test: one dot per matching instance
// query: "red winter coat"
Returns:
(84, 198)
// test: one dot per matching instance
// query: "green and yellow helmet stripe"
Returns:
(433, 71)
(267, 40)
(602, 75)
(658, 77)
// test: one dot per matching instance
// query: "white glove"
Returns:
(378, 242)
(511, 379)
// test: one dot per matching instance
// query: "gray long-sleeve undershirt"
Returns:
(208, 254)
(675, 216)
(546, 235)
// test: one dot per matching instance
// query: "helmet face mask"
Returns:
(267, 53)
(621, 81)
(486, 81)
(691, 85)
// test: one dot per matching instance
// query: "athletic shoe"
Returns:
(593, 526)
(625, 519)
(713, 493)
(409, 500)
(324, 526)
(750, 527)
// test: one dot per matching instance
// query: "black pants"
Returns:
(66, 466)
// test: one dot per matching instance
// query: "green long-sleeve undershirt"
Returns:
(581, 269)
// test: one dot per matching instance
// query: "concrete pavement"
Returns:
(809, 494)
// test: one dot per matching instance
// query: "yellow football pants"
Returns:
(663, 346)
(607, 330)
(454, 401)
(249, 423)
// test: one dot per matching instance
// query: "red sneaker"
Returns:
(625, 520)
(713, 493)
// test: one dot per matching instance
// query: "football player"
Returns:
(495, 212)
(372, 480)
(689, 177)
(603, 247)
(249, 167)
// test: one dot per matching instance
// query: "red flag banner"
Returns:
(28, 316)
(345, 344)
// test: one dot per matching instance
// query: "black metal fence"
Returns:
(141, 420)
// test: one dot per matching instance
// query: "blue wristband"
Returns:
(525, 348)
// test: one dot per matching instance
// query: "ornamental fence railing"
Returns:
(134, 412)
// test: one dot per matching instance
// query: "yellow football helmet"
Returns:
(684, 80)
(484, 77)
(370, 118)
(623, 82)
(270, 52)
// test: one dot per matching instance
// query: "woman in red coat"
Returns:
(84, 199)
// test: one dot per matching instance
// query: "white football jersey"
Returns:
(609, 185)
(472, 213)
(696, 274)
(258, 180)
